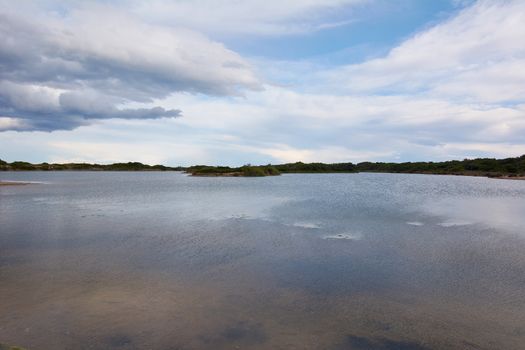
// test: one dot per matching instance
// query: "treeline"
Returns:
(508, 167)
(511, 167)
(246, 170)
(130, 166)
(270, 170)
(301, 167)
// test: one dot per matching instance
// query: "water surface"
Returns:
(150, 260)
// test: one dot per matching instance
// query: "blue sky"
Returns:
(234, 82)
(370, 31)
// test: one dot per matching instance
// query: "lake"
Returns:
(161, 260)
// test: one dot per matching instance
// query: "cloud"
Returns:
(249, 17)
(288, 125)
(113, 152)
(58, 71)
(332, 154)
(43, 108)
(477, 55)
(7, 123)
(453, 90)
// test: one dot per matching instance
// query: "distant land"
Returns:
(512, 168)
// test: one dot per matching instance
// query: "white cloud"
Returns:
(498, 150)
(332, 154)
(477, 55)
(263, 17)
(290, 126)
(7, 123)
(113, 152)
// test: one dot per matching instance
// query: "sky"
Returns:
(232, 82)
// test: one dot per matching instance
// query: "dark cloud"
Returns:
(60, 72)
(39, 109)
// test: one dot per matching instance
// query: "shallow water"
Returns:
(150, 260)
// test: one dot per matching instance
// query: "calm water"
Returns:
(330, 261)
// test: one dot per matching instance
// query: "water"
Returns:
(150, 260)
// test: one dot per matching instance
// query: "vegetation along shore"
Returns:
(508, 168)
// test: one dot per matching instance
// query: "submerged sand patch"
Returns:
(347, 236)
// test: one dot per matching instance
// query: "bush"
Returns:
(252, 171)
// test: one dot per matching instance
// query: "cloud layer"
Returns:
(454, 89)
(248, 17)
(476, 56)
(58, 71)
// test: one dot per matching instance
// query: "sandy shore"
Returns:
(507, 177)
(13, 183)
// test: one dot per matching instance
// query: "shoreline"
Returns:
(508, 177)
(240, 174)
(13, 183)
(233, 174)
(488, 176)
